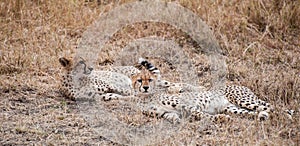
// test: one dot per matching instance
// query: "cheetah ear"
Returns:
(64, 61)
(134, 80)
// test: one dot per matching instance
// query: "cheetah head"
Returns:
(73, 72)
(144, 82)
(71, 67)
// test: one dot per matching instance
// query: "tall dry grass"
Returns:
(260, 39)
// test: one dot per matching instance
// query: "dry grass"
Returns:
(259, 38)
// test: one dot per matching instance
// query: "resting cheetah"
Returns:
(80, 81)
(208, 104)
(183, 99)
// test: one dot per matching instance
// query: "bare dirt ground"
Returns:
(261, 40)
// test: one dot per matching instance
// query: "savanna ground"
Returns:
(259, 38)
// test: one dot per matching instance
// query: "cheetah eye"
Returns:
(139, 80)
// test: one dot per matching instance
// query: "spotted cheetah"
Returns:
(120, 82)
(80, 81)
(182, 99)
(243, 99)
(208, 104)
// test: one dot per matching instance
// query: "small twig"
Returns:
(248, 47)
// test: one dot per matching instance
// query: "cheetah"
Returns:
(243, 100)
(182, 99)
(210, 104)
(80, 81)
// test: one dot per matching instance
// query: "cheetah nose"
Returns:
(146, 88)
(90, 68)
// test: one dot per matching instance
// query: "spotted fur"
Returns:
(80, 81)
(213, 104)
(199, 103)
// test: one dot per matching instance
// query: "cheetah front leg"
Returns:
(159, 112)
(199, 115)
(109, 92)
(113, 96)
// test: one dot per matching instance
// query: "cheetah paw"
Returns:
(107, 98)
(222, 118)
(172, 117)
(150, 111)
(263, 115)
(110, 96)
